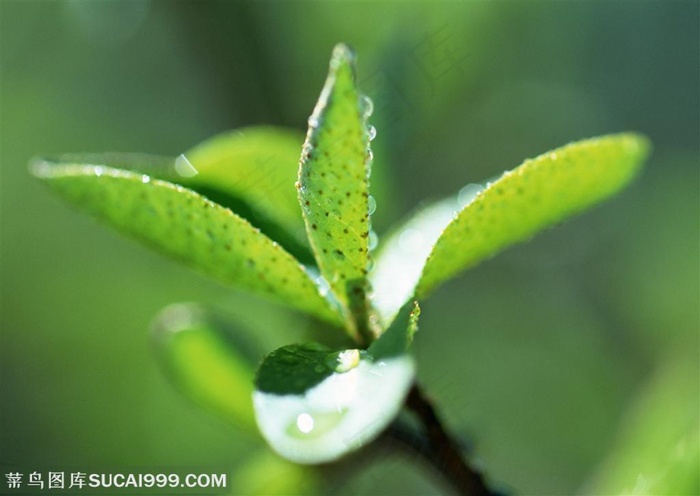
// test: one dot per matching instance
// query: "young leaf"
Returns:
(313, 405)
(333, 186)
(401, 257)
(207, 361)
(250, 170)
(258, 165)
(538, 194)
(189, 228)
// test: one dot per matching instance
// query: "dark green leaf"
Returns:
(397, 339)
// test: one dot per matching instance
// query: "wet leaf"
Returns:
(333, 186)
(541, 192)
(250, 170)
(186, 226)
(402, 255)
(207, 360)
(314, 405)
(254, 169)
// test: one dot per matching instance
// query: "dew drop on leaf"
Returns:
(468, 193)
(371, 132)
(184, 167)
(367, 106)
(305, 423)
(373, 239)
(371, 205)
(340, 414)
(323, 286)
(313, 121)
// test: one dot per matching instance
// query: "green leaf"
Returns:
(286, 370)
(541, 192)
(258, 166)
(206, 360)
(402, 256)
(658, 449)
(188, 227)
(333, 187)
(397, 339)
(250, 170)
(256, 163)
(313, 405)
(266, 474)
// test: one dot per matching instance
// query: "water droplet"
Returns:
(323, 286)
(313, 121)
(98, 171)
(314, 424)
(373, 240)
(288, 359)
(467, 194)
(367, 106)
(371, 132)
(184, 167)
(339, 414)
(305, 423)
(411, 240)
(145, 179)
(347, 360)
(313, 346)
(370, 155)
(371, 205)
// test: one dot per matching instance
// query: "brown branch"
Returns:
(441, 451)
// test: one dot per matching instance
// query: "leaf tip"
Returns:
(342, 55)
(39, 167)
(638, 145)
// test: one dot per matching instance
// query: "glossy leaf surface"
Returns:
(188, 227)
(541, 192)
(333, 184)
(258, 165)
(250, 170)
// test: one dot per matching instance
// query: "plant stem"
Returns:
(439, 449)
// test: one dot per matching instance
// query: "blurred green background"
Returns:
(546, 358)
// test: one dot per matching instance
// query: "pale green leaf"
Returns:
(541, 192)
(333, 186)
(188, 227)
(207, 360)
(313, 405)
(657, 450)
(402, 255)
